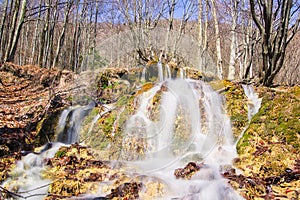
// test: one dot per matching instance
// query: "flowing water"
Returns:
(27, 175)
(70, 122)
(253, 101)
(190, 124)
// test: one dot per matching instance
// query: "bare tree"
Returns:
(36, 30)
(62, 34)
(13, 34)
(2, 25)
(202, 31)
(233, 46)
(171, 9)
(277, 25)
(218, 39)
(188, 9)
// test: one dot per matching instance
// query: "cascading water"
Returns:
(189, 124)
(192, 126)
(253, 105)
(253, 101)
(70, 122)
(27, 175)
(182, 73)
(160, 71)
(143, 78)
(168, 71)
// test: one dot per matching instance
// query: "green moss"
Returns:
(236, 104)
(243, 142)
(108, 123)
(275, 127)
(61, 152)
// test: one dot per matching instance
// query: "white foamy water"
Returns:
(27, 175)
(70, 122)
(254, 102)
(160, 71)
(206, 138)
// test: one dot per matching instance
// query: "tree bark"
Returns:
(62, 34)
(275, 28)
(233, 47)
(35, 36)
(12, 50)
(218, 40)
(2, 27)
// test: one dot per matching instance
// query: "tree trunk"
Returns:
(12, 50)
(35, 36)
(42, 42)
(275, 25)
(95, 34)
(12, 28)
(172, 5)
(218, 40)
(234, 15)
(62, 34)
(200, 34)
(2, 25)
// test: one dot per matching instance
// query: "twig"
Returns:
(10, 193)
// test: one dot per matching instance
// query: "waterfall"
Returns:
(168, 71)
(69, 123)
(192, 126)
(182, 73)
(160, 71)
(186, 123)
(254, 102)
(253, 105)
(26, 176)
(139, 125)
(143, 78)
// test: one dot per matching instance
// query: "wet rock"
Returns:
(126, 191)
(188, 171)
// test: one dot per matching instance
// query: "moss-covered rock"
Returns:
(270, 145)
(235, 104)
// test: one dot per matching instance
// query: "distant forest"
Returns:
(254, 40)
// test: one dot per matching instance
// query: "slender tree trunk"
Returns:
(35, 36)
(200, 33)
(218, 40)
(233, 47)
(42, 42)
(72, 56)
(2, 27)
(48, 58)
(12, 28)
(95, 34)
(172, 5)
(62, 34)
(11, 55)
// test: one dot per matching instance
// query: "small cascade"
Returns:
(168, 71)
(139, 125)
(254, 102)
(143, 78)
(160, 71)
(182, 73)
(27, 175)
(69, 123)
